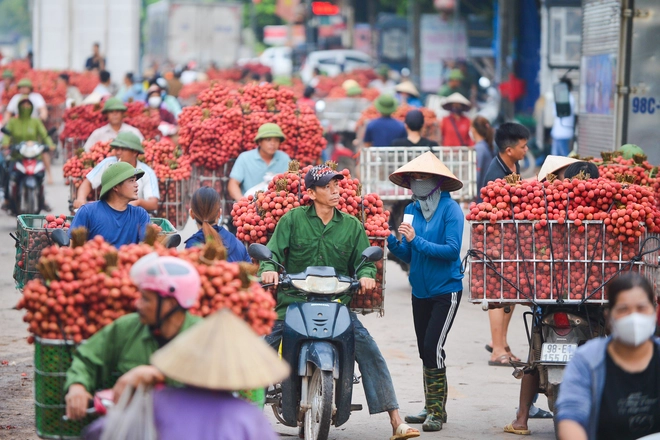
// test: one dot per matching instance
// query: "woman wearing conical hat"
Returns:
(432, 233)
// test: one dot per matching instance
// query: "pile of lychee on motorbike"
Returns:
(127, 147)
(164, 344)
(29, 140)
(336, 243)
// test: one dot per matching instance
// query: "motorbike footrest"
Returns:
(356, 407)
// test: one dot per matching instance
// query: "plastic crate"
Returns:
(52, 359)
(32, 237)
(521, 262)
(173, 203)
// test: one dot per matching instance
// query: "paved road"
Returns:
(482, 399)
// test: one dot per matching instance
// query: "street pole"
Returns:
(415, 35)
(253, 24)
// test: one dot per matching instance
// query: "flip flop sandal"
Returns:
(403, 434)
(511, 430)
(542, 414)
(502, 361)
(489, 348)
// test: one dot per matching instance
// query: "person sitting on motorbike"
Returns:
(408, 94)
(168, 287)
(113, 216)
(255, 167)
(201, 404)
(39, 109)
(115, 110)
(127, 147)
(205, 209)
(431, 244)
(529, 385)
(21, 129)
(611, 387)
(321, 235)
(155, 101)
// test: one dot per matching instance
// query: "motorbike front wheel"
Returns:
(319, 415)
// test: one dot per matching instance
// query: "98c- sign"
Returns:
(644, 105)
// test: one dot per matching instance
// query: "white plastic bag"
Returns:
(132, 418)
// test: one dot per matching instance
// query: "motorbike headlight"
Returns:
(321, 285)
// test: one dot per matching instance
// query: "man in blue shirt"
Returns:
(382, 131)
(113, 217)
(255, 167)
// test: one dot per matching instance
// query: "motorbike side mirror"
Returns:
(6, 131)
(562, 99)
(52, 131)
(60, 237)
(173, 241)
(260, 252)
(372, 254)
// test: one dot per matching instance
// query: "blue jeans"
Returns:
(376, 379)
(561, 147)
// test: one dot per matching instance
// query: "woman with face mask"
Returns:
(611, 388)
(455, 128)
(155, 101)
(432, 233)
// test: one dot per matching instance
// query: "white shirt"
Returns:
(147, 184)
(106, 133)
(102, 90)
(37, 100)
(563, 128)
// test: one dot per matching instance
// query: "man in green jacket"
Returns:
(321, 235)
(118, 355)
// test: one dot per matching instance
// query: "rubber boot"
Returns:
(436, 392)
(444, 396)
(421, 416)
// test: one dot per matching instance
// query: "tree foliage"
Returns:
(15, 17)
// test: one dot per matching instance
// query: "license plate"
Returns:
(557, 352)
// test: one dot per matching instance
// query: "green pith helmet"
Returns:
(269, 130)
(128, 140)
(629, 150)
(354, 91)
(24, 83)
(386, 104)
(383, 70)
(113, 104)
(116, 174)
(7, 74)
(456, 75)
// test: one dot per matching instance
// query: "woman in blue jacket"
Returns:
(205, 210)
(611, 387)
(431, 244)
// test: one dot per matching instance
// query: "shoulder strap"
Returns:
(453, 123)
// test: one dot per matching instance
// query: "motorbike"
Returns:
(26, 179)
(318, 342)
(554, 333)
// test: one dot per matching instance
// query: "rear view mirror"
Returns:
(260, 252)
(60, 237)
(373, 254)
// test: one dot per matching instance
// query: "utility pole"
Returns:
(414, 33)
(371, 12)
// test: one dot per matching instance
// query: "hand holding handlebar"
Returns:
(270, 277)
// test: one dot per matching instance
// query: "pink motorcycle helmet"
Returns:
(169, 277)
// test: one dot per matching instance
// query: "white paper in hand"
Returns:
(408, 218)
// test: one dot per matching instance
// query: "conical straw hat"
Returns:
(221, 353)
(407, 87)
(426, 163)
(552, 164)
(457, 98)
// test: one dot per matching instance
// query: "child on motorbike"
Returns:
(205, 210)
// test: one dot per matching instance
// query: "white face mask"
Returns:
(634, 329)
(155, 101)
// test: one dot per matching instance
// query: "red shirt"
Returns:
(450, 138)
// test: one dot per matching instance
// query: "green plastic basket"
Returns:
(258, 396)
(31, 238)
(167, 227)
(52, 359)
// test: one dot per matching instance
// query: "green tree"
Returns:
(15, 17)
(265, 16)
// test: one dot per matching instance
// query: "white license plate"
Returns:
(557, 352)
